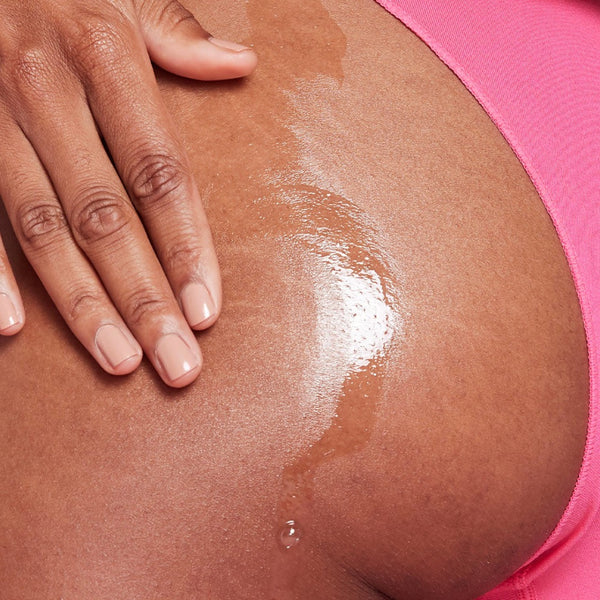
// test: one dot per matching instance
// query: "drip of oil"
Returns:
(358, 318)
(351, 277)
(289, 535)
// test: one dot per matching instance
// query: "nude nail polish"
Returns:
(175, 357)
(227, 44)
(114, 345)
(8, 313)
(197, 303)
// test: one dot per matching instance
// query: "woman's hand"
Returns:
(72, 74)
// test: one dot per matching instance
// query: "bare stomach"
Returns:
(394, 401)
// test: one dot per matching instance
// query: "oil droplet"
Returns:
(289, 535)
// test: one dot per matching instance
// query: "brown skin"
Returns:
(431, 473)
(70, 72)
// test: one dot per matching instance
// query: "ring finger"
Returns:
(40, 225)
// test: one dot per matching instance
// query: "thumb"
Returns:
(178, 43)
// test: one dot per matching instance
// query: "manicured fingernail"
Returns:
(175, 357)
(8, 313)
(197, 303)
(227, 45)
(114, 345)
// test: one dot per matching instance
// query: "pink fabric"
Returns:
(534, 65)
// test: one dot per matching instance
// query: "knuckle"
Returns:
(156, 179)
(172, 13)
(98, 42)
(144, 305)
(81, 303)
(98, 215)
(181, 253)
(40, 224)
(30, 71)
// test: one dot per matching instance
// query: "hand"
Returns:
(72, 74)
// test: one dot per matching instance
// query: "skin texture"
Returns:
(400, 366)
(87, 141)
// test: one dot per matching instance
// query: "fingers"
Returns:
(42, 230)
(155, 170)
(12, 315)
(67, 204)
(177, 42)
(105, 226)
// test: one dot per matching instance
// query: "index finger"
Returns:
(129, 111)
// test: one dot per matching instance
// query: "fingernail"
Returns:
(175, 357)
(227, 45)
(114, 345)
(197, 303)
(8, 313)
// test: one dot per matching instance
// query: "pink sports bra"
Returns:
(534, 66)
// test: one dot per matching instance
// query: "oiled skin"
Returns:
(450, 469)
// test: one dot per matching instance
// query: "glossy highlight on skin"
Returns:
(358, 306)
(359, 321)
